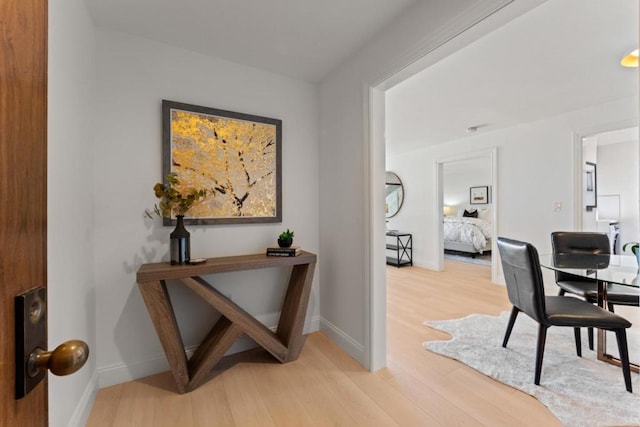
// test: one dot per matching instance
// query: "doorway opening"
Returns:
(419, 188)
(608, 164)
(467, 222)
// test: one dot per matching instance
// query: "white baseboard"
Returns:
(156, 363)
(342, 339)
(81, 414)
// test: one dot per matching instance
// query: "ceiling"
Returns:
(561, 56)
(302, 39)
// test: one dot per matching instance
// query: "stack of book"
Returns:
(291, 251)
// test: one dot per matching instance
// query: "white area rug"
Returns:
(579, 391)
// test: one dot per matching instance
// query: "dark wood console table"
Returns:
(285, 344)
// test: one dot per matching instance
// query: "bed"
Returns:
(465, 234)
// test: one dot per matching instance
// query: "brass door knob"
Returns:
(66, 359)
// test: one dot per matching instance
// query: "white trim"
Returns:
(120, 372)
(375, 221)
(577, 181)
(438, 263)
(368, 223)
(342, 339)
(83, 408)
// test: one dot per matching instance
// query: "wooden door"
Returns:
(23, 187)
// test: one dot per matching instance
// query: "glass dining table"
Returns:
(606, 270)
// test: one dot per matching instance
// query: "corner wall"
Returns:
(134, 76)
(70, 237)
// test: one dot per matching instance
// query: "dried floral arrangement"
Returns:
(174, 200)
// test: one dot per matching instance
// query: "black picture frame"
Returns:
(590, 186)
(237, 156)
(479, 195)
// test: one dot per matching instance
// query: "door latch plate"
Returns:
(31, 333)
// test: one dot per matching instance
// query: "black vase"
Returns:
(180, 247)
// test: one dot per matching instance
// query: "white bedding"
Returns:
(468, 230)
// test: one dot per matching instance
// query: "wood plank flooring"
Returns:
(325, 386)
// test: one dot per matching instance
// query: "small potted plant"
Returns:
(285, 239)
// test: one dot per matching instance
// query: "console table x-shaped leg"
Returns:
(285, 344)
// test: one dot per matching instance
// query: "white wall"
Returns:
(459, 177)
(618, 173)
(535, 170)
(71, 137)
(589, 154)
(134, 76)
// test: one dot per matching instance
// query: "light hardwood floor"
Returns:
(327, 387)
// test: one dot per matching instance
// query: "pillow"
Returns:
(485, 214)
(473, 213)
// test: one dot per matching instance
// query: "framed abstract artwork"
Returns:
(236, 156)
(479, 195)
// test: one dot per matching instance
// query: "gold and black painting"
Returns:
(236, 157)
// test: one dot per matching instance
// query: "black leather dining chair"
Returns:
(521, 267)
(578, 242)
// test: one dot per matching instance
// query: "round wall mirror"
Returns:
(394, 194)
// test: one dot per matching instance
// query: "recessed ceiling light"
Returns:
(474, 128)
(630, 60)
